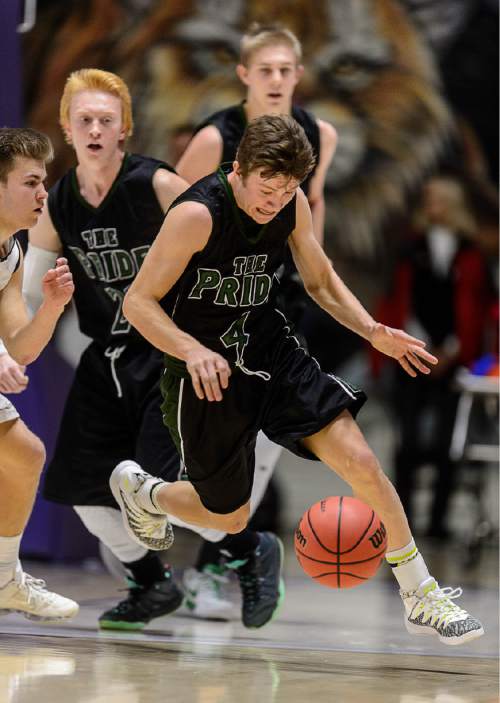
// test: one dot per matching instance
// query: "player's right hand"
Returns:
(57, 284)
(209, 373)
(12, 376)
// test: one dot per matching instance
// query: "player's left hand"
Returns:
(57, 284)
(408, 350)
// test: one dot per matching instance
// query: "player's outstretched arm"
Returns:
(327, 288)
(185, 231)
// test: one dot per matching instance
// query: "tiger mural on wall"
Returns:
(367, 71)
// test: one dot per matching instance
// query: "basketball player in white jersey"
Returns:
(23, 154)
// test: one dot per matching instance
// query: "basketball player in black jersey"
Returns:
(270, 68)
(233, 368)
(104, 215)
(23, 155)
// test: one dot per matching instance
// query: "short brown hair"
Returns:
(95, 79)
(24, 143)
(275, 145)
(260, 35)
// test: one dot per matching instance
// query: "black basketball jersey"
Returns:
(232, 122)
(226, 295)
(106, 245)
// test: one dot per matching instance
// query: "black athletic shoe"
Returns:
(142, 605)
(262, 588)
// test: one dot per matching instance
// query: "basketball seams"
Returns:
(318, 524)
(342, 573)
(362, 536)
(309, 521)
(334, 551)
(379, 555)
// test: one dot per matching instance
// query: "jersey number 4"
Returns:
(235, 336)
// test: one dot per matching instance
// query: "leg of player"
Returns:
(146, 501)
(256, 557)
(152, 591)
(23, 456)
(429, 609)
(203, 583)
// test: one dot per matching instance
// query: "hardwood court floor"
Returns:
(325, 646)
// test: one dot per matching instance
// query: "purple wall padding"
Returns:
(54, 531)
(10, 61)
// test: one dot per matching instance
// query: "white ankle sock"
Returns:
(147, 495)
(9, 558)
(408, 566)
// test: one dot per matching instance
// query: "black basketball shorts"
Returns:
(108, 418)
(216, 440)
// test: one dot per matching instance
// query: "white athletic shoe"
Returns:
(28, 596)
(430, 611)
(203, 595)
(151, 530)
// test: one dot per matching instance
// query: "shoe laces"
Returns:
(439, 602)
(35, 590)
(134, 593)
(210, 582)
(250, 580)
(144, 523)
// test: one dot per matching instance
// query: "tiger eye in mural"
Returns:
(367, 71)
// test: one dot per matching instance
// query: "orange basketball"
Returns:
(340, 542)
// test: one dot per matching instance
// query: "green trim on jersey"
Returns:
(229, 192)
(76, 189)
(175, 366)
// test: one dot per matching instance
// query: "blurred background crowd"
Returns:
(411, 200)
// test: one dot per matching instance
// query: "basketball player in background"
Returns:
(270, 68)
(23, 155)
(104, 214)
(232, 366)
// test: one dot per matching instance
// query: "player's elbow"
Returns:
(315, 289)
(23, 357)
(131, 307)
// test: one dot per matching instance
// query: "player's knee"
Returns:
(365, 468)
(237, 521)
(32, 457)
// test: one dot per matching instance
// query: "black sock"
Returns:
(147, 570)
(241, 544)
(209, 554)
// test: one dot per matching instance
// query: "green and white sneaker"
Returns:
(204, 597)
(430, 610)
(143, 604)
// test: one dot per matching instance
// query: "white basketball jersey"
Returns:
(9, 262)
